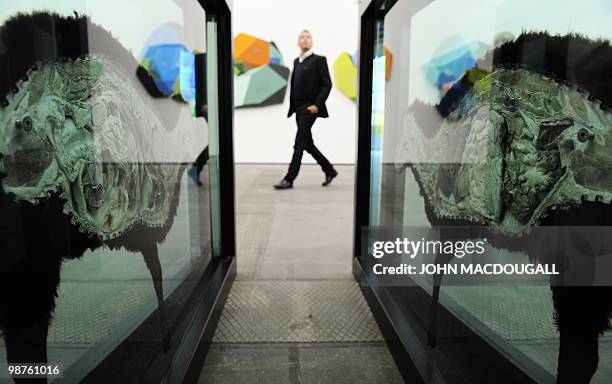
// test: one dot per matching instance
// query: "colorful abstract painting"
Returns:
(260, 75)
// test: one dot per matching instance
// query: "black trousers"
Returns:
(303, 142)
(202, 160)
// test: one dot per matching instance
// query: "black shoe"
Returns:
(329, 178)
(284, 184)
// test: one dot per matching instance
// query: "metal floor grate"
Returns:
(253, 234)
(277, 311)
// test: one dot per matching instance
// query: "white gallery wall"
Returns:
(265, 134)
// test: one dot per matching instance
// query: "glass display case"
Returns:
(109, 185)
(495, 114)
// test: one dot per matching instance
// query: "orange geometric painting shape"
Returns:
(252, 51)
(388, 63)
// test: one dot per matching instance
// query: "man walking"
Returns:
(310, 86)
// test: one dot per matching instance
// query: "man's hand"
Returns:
(313, 109)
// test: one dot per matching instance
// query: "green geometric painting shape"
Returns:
(257, 86)
(240, 67)
(275, 55)
(241, 86)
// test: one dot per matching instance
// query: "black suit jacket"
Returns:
(317, 83)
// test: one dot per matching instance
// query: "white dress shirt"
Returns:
(305, 55)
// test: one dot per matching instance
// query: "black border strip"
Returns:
(364, 117)
(220, 12)
(372, 13)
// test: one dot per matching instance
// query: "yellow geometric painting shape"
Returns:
(345, 75)
(252, 51)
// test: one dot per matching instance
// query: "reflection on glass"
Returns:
(498, 114)
(102, 230)
(378, 123)
(213, 120)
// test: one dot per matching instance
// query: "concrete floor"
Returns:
(301, 237)
(300, 363)
(296, 234)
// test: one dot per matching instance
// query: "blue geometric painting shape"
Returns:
(187, 79)
(164, 63)
(451, 65)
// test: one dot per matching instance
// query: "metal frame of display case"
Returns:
(482, 354)
(147, 362)
(205, 322)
